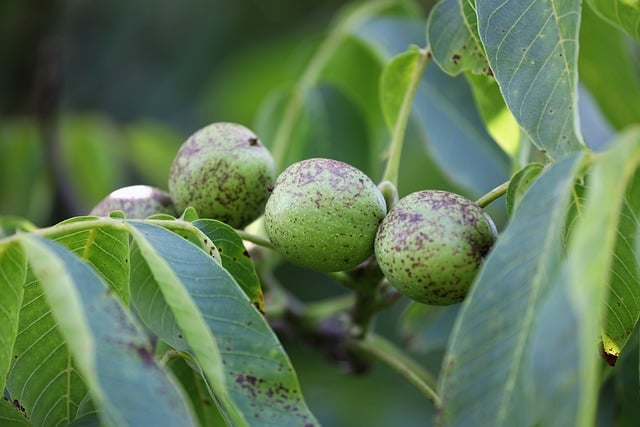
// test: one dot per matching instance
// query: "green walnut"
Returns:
(224, 172)
(136, 201)
(431, 245)
(323, 214)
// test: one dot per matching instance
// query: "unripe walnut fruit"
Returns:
(136, 201)
(323, 214)
(224, 172)
(431, 245)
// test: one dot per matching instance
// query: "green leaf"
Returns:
(396, 80)
(485, 378)
(608, 70)
(10, 415)
(520, 183)
(13, 271)
(533, 51)
(235, 258)
(110, 350)
(588, 270)
(103, 245)
(624, 297)
(624, 13)
(42, 378)
(453, 38)
(194, 304)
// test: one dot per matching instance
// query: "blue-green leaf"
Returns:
(453, 38)
(485, 378)
(533, 51)
(235, 258)
(194, 304)
(457, 135)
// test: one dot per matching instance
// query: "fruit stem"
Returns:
(492, 195)
(312, 72)
(384, 351)
(397, 135)
(253, 238)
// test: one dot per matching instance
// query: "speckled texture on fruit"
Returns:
(323, 214)
(224, 172)
(431, 245)
(136, 201)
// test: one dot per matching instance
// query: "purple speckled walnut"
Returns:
(224, 172)
(431, 245)
(136, 201)
(323, 214)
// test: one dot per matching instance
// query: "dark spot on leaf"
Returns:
(18, 406)
(456, 58)
(145, 355)
(253, 141)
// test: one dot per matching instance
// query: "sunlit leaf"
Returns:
(13, 270)
(533, 51)
(104, 246)
(109, 348)
(499, 120)
(42, 379)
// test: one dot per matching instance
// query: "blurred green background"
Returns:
(98, 95)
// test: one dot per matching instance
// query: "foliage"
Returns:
(201, 324)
